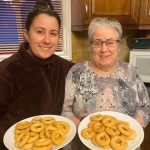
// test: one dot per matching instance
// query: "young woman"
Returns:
(32, 80)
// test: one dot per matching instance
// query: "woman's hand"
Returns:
(140, 119)
(76, 120)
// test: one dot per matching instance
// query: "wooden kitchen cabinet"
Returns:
(131, 13)
(144, 16)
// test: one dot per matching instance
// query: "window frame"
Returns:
(66, 24)
(66, 51)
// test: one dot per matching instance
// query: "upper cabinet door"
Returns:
(126, 11)
(80, 14)
(131, 13)
(145, 14)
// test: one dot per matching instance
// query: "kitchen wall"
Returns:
(80, 45)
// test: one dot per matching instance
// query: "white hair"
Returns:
(97, 22)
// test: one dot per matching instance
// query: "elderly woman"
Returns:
(105, 83)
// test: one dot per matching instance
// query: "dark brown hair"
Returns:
(45, 3)
(41, 7)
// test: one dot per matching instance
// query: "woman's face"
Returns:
(43, 36)
(105, 54)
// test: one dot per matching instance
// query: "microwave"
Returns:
(140, 58)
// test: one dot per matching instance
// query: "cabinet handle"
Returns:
(86, 10)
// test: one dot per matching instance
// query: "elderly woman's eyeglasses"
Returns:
(111, 43)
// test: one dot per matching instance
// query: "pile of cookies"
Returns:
(107, 131)
(41, 133)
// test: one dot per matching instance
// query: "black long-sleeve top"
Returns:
(30, 86)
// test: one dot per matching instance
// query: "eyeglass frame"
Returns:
(107, 44)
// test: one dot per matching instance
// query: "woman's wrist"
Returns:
(76, 120)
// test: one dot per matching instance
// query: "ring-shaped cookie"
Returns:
(22, 139)
(87, 133)
(48, 120)
(118, 143)
(23, 125)
(125, 130)
(42, 142)
(63, 126)
(37, 127)
(97, 117)
(109, 121)
(58, 137)
(102, 139)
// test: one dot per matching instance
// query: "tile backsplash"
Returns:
(81, 50)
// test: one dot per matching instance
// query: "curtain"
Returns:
(12, 22)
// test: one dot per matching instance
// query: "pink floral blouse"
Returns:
(122, 91)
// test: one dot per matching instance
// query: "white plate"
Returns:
(9, 135)
(132, 144)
